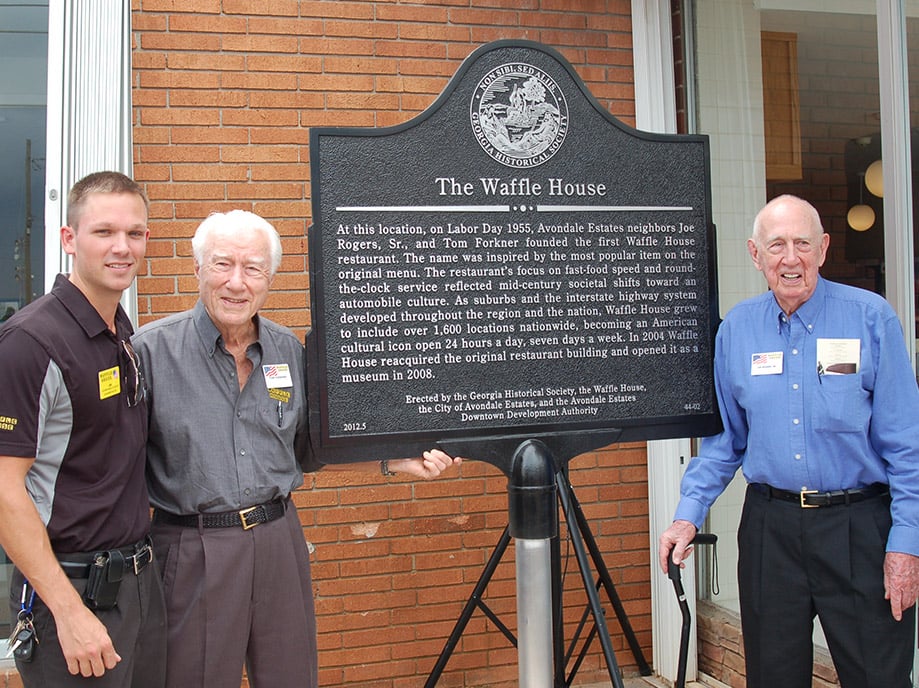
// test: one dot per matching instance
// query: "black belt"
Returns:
(244, 518)
(136, 558)
(807, 499)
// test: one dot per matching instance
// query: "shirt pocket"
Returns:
(841, 404)
(278, 415)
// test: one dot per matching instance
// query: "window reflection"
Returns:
(23, 111)
(23, 86)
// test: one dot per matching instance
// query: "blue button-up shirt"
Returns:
(794, 426)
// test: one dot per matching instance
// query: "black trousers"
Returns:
(795, 564)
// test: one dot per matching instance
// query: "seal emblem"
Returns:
(519, 115)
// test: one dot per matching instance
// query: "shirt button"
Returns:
(794, 351)
(795, 386)
(242, 452)
(795, 421)
(247, 491)
(239, 413)
(810, 327)
(797, 457)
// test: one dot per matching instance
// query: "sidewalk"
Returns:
(648, 682)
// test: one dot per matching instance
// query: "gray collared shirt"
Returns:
(213, 447)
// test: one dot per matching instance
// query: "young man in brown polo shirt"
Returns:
(73, 497)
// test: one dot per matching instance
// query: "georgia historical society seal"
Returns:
(519, 115)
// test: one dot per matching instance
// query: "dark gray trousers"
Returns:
(137, 627)
(238, 597)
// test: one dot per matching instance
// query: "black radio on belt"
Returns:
(105, 574)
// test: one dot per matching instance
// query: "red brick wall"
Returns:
(395, 562)
(224, 101)
(9, 678)
(224, 98)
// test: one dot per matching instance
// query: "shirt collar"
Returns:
(207, 330)
(84, 313)
(807, 312)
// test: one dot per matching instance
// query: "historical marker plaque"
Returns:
(514, 260)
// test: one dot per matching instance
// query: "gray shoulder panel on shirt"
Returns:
(55, 424)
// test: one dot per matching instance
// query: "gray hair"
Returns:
(236, 221)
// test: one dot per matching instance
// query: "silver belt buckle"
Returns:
(141, 558)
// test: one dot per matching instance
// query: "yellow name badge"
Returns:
(109, 382)
(279, 395)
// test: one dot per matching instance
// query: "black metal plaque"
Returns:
(513, 261)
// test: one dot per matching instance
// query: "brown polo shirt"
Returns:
(67, 400)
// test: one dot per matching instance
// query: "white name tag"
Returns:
(277, 375)
(769, 363)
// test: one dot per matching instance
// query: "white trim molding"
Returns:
(89, 109)
(655, 110)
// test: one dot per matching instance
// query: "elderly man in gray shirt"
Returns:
(228, 428)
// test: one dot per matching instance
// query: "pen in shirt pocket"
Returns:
(280, 413)
(819, 373)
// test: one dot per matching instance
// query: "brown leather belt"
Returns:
(244, 518)
(808, 499)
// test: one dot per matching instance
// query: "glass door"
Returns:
(23, 79)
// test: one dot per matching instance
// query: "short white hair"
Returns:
(232, 222)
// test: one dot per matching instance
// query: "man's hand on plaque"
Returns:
(427, 467)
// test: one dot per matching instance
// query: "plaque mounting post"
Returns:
(533, 523)
(536, 479)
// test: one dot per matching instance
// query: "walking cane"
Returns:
(673, 572)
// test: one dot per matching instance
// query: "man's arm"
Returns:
(84, 640)
(427, 466)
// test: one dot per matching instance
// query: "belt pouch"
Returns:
(105, 574)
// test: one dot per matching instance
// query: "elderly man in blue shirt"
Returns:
(821, 411)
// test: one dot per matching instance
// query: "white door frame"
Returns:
(89, 110)
(655, 111)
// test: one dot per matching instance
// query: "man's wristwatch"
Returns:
(384, 468)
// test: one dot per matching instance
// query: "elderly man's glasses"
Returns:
(132, 379)
(249, 270)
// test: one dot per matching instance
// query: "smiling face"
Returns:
(234, 277)
(789, 247)
(107, 240)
